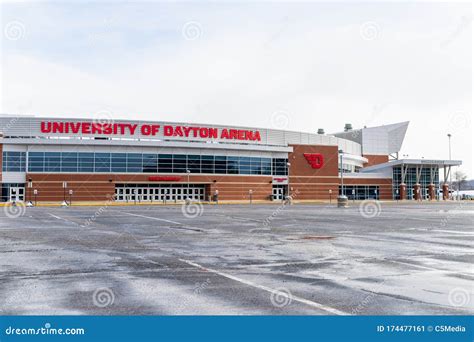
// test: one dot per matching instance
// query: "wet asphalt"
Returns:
(368, 259)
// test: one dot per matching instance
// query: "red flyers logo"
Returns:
(316, 160)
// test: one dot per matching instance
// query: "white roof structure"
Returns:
(412, 162)
(379, 140)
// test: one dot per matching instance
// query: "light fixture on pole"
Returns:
(342, 201)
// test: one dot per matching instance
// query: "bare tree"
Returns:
(459, 179)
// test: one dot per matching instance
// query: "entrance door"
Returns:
(277, 194)
(17, 194)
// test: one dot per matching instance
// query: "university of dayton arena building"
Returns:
(51, 159)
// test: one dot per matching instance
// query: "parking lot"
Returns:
(371, 258)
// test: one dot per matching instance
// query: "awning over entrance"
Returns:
(419, 165)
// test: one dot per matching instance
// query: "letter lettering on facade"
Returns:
(86, 128)
(168, 131)
(213, 133)
(225, 134)
(46, 127)
(146, 130)
(75, 127)
(58, 127)
(178, 131)
(132, 127)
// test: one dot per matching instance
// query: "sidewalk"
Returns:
(242, 202)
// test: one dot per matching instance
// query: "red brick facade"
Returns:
(305, 182)
(375, 159)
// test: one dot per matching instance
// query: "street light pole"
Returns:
(342, 172)
(288, 167)
(342, 201)
(450, 170)
(187, 192)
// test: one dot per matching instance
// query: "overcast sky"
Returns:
(275, 65)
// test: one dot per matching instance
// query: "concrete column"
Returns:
(445, 192)
(417, 192)
(403, 191)
(432, 192)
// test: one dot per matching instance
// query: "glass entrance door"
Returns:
(17, 194)
(278, 193)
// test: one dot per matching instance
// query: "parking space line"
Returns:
(268, 289)
(165, 220)
(152, 218)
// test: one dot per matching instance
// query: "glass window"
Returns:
(255, 166)
(232, 165)
(194, 164)
(220, 164)
(85, 162)
(266, 166)
(207, 164)
(52, 161)
(36, 161)
(13, 161)
(102, 162)
(134, 162)
(280, 167)
(150, 163)
(119, 162)
(69, 162)
(179, 163)
(165, 163)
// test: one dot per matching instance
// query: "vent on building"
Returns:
(320, 130)
(347, 127)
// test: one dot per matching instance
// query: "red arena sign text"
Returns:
(97, 128)
(316, 160)
(88, 128)
(212, 133)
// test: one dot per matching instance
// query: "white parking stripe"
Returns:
(57, 217)
(184, 227)
(268, 289)
(152, 218)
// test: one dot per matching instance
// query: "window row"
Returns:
(153, 163)
(13, 161)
